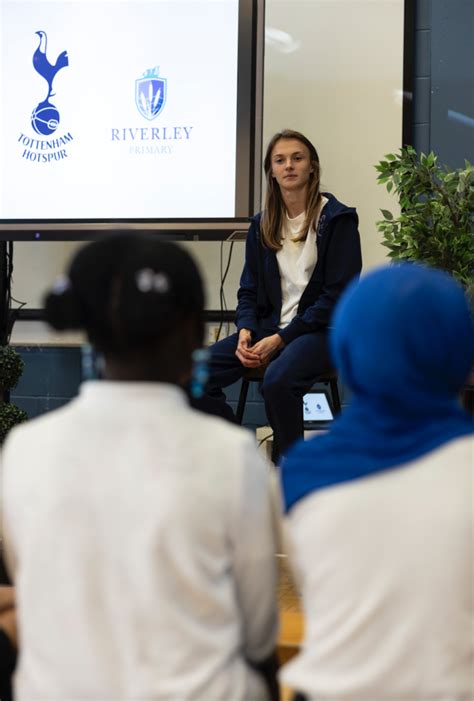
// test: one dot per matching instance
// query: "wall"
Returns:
(444, 80)
(422, 77)
(338, 79)
(51, 377)
(452, 80)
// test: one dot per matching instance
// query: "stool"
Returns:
(256, 375)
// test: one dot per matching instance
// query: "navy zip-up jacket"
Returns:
(339, 260)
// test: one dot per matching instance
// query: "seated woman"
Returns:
(138, 531)
(380, 510)
(301, 252)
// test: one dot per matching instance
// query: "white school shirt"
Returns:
(296, 262)
(141, 538)
(386, 566)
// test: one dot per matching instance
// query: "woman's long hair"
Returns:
(274, 207)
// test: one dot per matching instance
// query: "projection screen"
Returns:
(135, 114)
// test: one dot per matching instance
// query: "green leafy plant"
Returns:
(10, 416)
(11, 368)
(436, 223)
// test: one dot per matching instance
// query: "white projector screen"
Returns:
(140, 112)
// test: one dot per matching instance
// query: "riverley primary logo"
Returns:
(150, 100)
(150, 93)
(45, 117)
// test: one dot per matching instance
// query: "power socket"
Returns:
(211, 333)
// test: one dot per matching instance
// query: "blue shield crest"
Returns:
(150, 95)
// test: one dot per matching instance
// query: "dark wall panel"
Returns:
(452, 80)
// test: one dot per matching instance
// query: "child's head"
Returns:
(140, 301)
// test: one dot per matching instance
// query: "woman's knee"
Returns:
(276, 382)
(222, 353)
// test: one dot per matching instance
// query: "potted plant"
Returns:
(436, 221)
(11, 368)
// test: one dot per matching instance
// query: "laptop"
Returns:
(317, 412)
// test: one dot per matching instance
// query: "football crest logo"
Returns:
(150, 93)
(45, 117)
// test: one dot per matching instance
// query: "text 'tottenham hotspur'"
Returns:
(44, 151)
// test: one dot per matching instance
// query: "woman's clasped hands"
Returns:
(259, 354)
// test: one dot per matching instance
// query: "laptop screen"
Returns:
(316, 410)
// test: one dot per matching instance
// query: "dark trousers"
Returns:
(288, 377)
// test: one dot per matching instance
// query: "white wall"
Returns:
(337, 78)
(333, 70)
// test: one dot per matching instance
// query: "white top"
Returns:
(386, 566)
(296, 262)
(142, 543)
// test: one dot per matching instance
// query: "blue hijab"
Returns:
(403, 342)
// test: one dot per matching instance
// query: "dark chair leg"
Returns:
(336, 400)
(239, 414)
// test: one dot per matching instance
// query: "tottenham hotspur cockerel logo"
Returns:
(45, 117)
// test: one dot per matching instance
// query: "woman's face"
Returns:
(291, 164)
